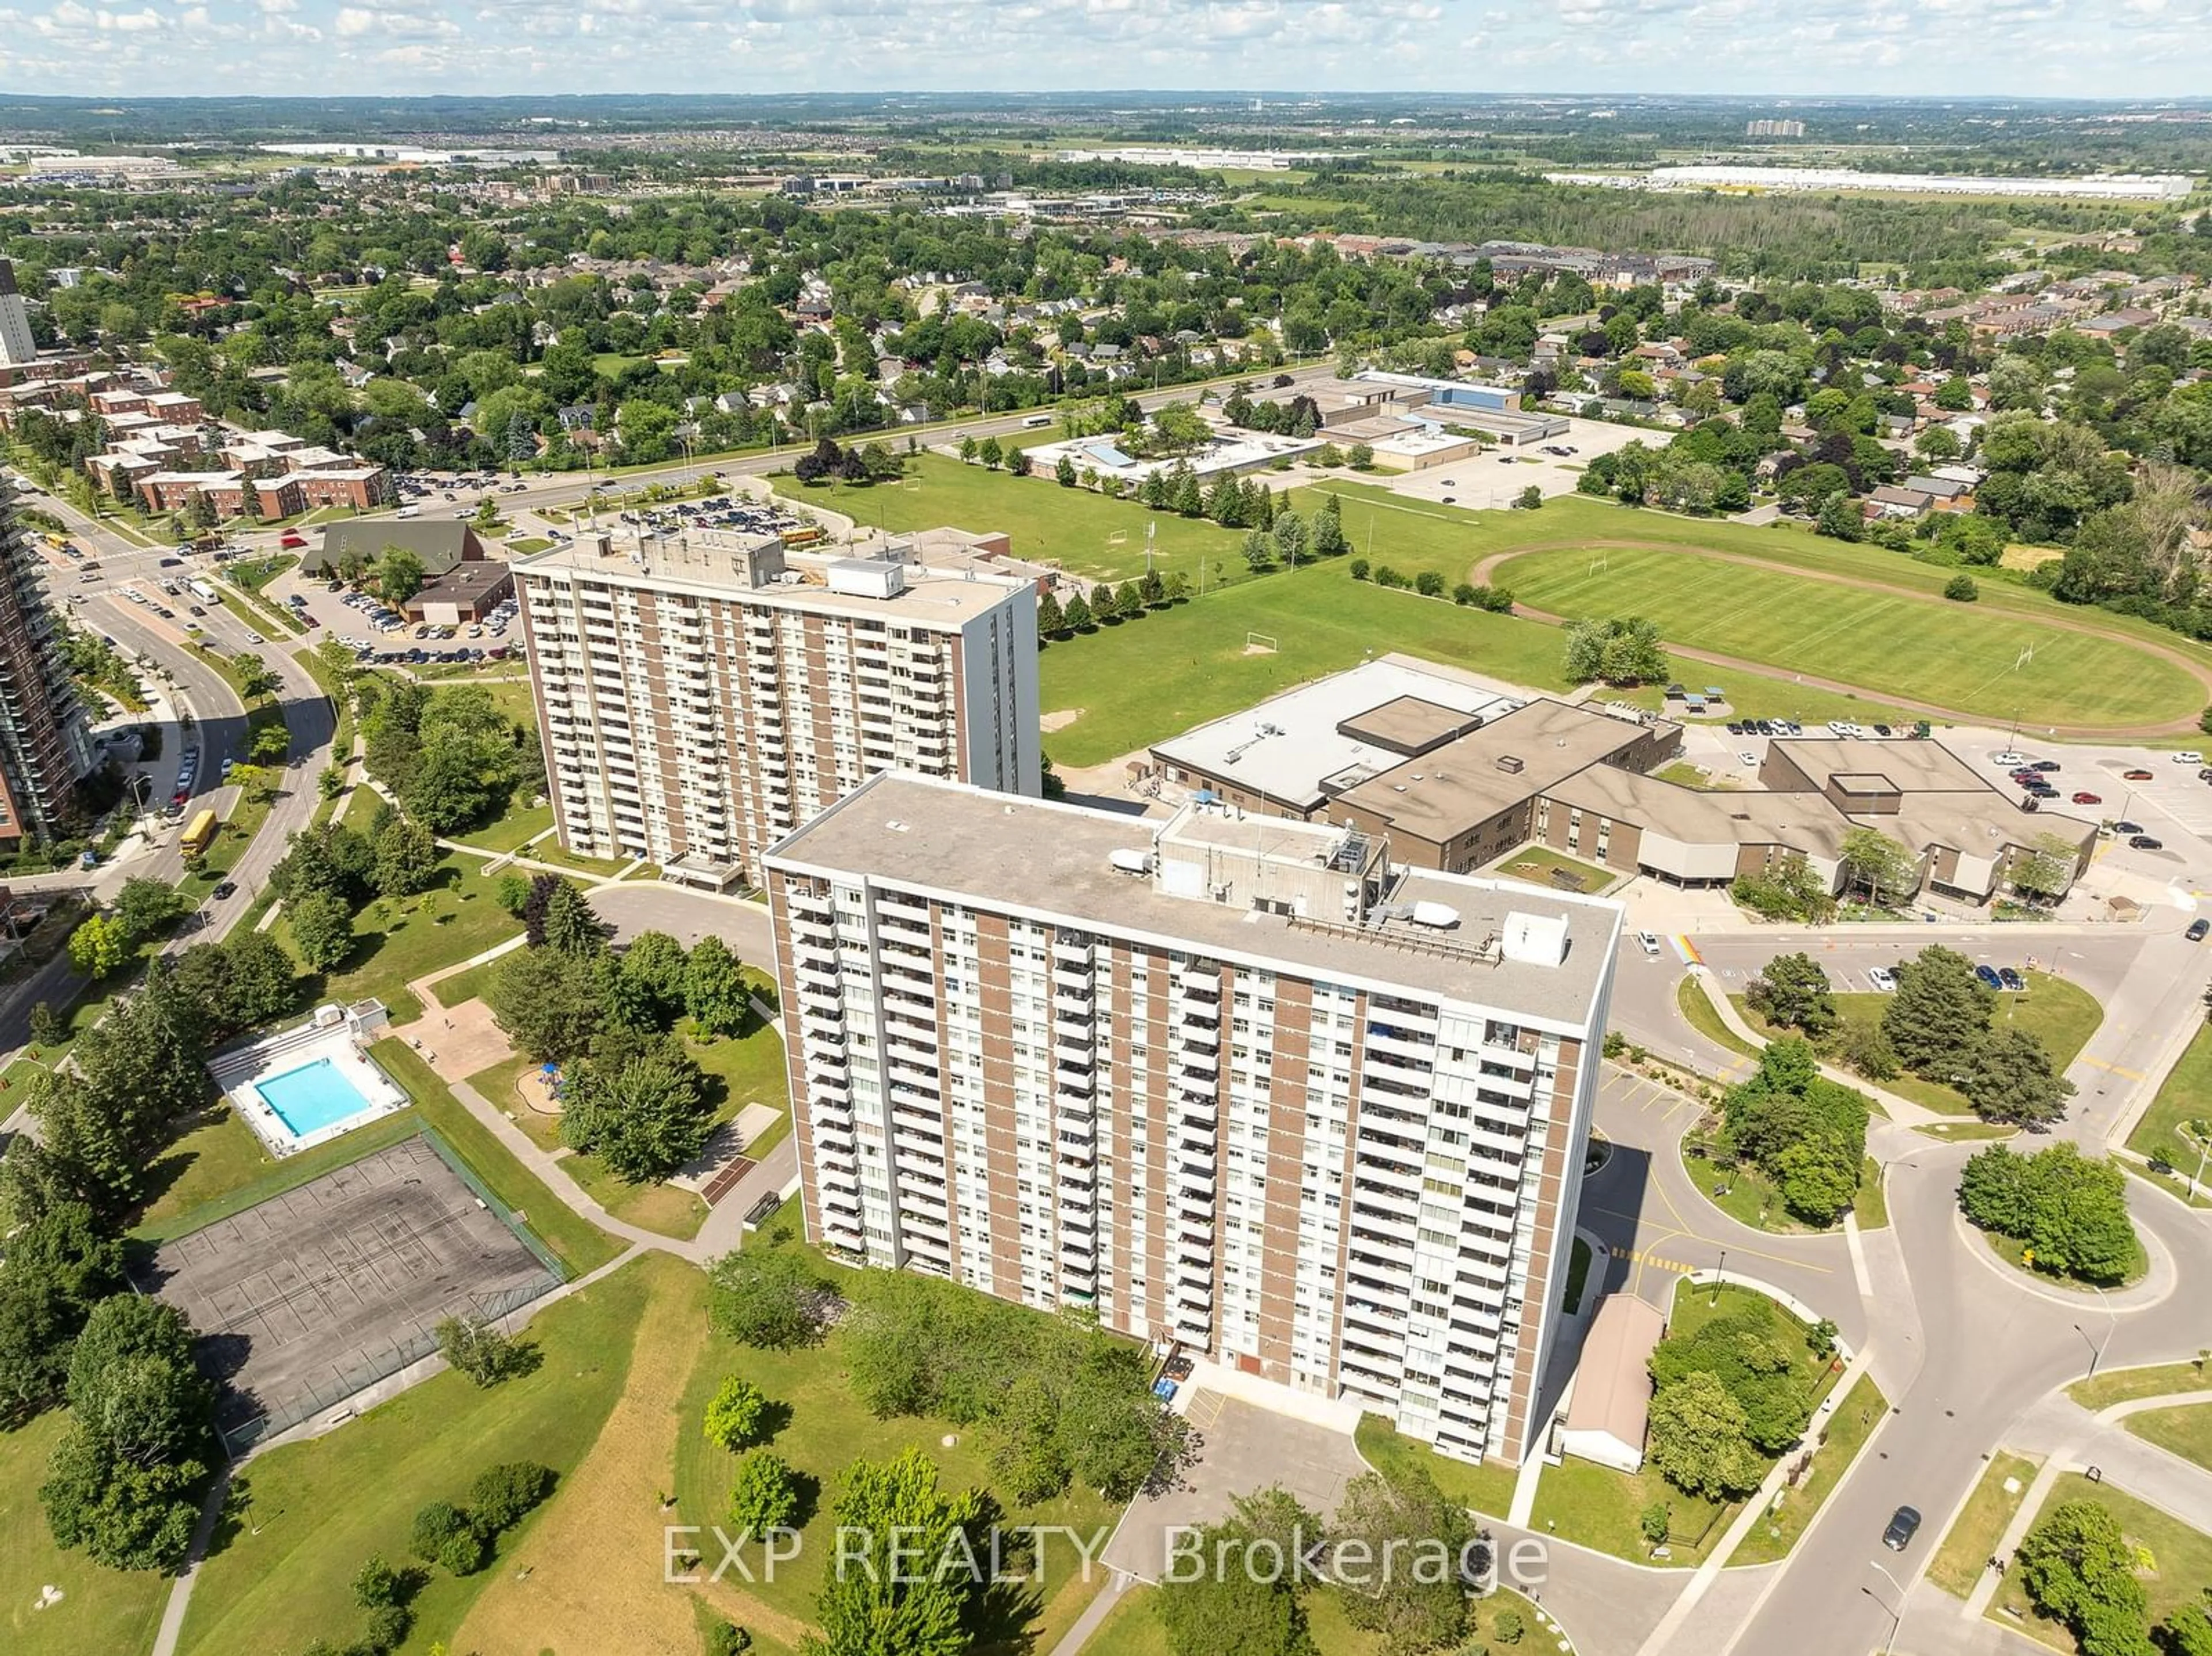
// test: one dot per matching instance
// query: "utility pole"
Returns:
(1896, 1611)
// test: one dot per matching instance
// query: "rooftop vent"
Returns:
(1511, 764)
(1441, 916)
(1535, 939)
(1131, 862)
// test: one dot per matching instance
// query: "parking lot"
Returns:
(1491, 479)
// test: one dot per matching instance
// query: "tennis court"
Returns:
(302, 1301)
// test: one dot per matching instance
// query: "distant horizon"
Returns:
(2100, 51)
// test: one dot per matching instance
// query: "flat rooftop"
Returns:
(1409, 724)
(1289, 745)
(1512, 758)
(1053, 862)
(1803, 822)
(1915, 766)
(708, 564)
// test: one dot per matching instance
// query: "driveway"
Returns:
(634, 906)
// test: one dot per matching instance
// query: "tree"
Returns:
(2079, 1567)
(1244, 1596)
(765, 1494)
(2009, 1078)
(146, 909)
(1960, 589)
(2046, 872)
(1406, 1517)
(1695, 1440)
(256, 679)
(1063, 472)
(639, 1105)
(570, 924)
(98, 945)
(398, 575)
(2069, 1212)
(1077, 616)
(1529, 499)
(406, 858)
(914, 1613)
(1794, 991)
(2188, 1631)
(1625, 650)
(474, 1346)
(549, 1001)
(737, 1414)
(714, 993)
(48, 1028)
(1840, 519)
(989, 453)
(654, 966)
(1050, 622)
(1939, 1014)
(322, 929)
(767, 1297)
(506, 1493)
(1259, 550)
(1866, 1049)
(1879, 865)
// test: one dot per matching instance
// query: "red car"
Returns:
(2087, 799)
(2141, 776)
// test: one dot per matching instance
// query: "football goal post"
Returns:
(1258, 644)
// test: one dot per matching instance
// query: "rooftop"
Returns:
(1231, 875)
(1288, 746)
(1613, 1385)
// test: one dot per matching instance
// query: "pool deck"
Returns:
(243, 1073)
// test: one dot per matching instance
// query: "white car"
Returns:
(1747, 757)
(2008, 757)
(2189, 756)
(1648, 942)
(1883, 978)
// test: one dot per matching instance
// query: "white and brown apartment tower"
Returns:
(698, 701)
(1241, 1085)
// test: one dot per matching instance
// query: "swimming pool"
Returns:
(313, 1097)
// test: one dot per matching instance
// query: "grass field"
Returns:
(102, 1612)
(2059, 1014)
(1965, 1554)
(1486, 1488)
(397, 940)
(1952, 656)
(1133, 1628)
(827, 1430)
(2185, 1096)
(1750, 1199)
(1699, 1012)
(1071, 527)
(322, 1506)
(2184, 1430)
(1849, 1428)
(1539, 865)
(2183, 1555)
(2156, 1379)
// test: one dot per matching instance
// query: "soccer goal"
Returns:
(911, 485)
(1258, 644)
(1597, 566)
(1117, 537)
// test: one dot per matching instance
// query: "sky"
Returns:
(2040, 48)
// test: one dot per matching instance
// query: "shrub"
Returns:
(1429, 584)
(1386, 576)
(765, 1495)
(479, 1351)
(1463, 594)
(504, 1495)
(1358, 568)
(727, 1638)
(435, 1526)
(1960, 589)
(465, 1552)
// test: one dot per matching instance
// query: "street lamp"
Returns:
(1896, 1611)
(1719, 1271)
(2097, 1350)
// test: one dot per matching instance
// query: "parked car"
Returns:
(2012, 980)
(2139, 775)
(2047, 766)
(2008, 757)
(2147, 842)
(2197, 931)
(2126, 827)
(1904, 1525)
(1883, 978)
(2189, 756)
(2086, 798)
(1988, 978)
(1648, 942)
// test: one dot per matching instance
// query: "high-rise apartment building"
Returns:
(699, 701)
(16, 345)
(43, 743)
(1241, 1084)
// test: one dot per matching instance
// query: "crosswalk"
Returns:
(1636, 1256)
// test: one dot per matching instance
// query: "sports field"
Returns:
(1072, 527)
(1999, 665)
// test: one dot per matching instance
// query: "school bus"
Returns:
(200, 834)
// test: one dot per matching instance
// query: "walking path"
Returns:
(1901, 1110)
(1484, 571)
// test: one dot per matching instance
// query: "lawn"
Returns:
(581, 1247)
(1133, 1628)
(2156, 1379)
(512, 831)
(2185, 1431)
(224, 1170)
(1486, 1488)
(1141, 681)
(2183, 1556)
(397, 940)
(1849, 1428)
(1954, 656)
(1965, 1132)
(1069, 527)
(827, 1430)
(1972, 1542)
(1750, 1197)
(1699, 1013)
(2059, 1014)
(102, 1612)
(1539, 865)
(2185, 1096)
(463, 986)
(318, 1508)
